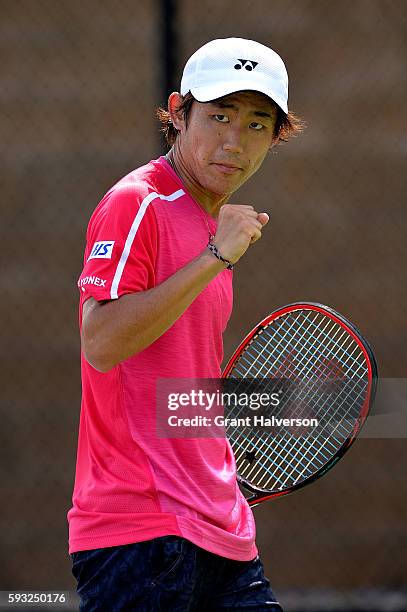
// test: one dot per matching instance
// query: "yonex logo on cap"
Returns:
(246, 64)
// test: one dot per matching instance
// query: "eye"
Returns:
(221, 118)
(256, 126)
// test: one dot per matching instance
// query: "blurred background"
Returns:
(80, 81)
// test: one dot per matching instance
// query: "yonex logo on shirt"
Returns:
(92, 280)
(102, 250)
(246, 64)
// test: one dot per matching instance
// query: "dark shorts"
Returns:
(169, 574)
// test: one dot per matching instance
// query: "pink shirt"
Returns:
(131, 485)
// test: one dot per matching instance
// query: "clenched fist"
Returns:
(239, 225)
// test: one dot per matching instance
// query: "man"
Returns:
(160, 524)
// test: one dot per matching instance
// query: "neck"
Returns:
(211, 202)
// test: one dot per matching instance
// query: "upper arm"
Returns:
(99, 326)
(89, 327)
(89, 309)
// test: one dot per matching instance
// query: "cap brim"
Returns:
(213, 92)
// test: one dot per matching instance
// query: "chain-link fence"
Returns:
(80, 82)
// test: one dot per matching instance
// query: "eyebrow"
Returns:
(234, 107)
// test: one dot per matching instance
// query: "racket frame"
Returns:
(260, 494)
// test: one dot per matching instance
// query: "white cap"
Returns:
(228, 65)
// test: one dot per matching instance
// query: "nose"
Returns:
(234, 140)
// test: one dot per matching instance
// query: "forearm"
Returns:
(115, 330)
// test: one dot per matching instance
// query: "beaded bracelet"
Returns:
(215, 251)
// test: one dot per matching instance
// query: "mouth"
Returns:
(226, 168)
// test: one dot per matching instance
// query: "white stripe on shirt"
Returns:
(132, 234)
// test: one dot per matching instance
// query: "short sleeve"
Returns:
(121, 246)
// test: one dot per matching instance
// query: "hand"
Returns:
(239, 226)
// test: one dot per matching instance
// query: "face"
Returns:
(226, 141)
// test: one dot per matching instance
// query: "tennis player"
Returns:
(160, 523)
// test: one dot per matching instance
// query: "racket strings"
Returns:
(301, 373)
(293, 372)
(298, 372)
(318, 349)
(305, 453)
(259, 365)
(301, 446)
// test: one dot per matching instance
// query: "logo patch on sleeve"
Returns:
(102, 250)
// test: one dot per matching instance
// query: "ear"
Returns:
(174, 101)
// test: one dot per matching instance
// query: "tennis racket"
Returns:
(323, 368)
